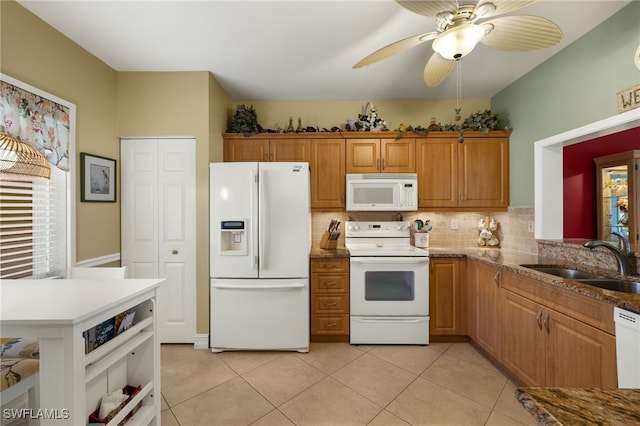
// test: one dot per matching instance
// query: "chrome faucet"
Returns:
(622, 254)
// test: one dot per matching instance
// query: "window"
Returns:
(33, 227)
(37, 219)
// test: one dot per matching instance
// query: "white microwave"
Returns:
(382, 192)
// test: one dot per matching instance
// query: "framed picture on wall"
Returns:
(98, 178)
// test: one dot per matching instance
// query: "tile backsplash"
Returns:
(512, 230)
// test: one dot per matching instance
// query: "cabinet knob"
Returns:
(331, 324)
(496, 278)
(538, 318)
(174, 251)
(330, 304)
(330, 283)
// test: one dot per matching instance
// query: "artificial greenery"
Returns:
(483, 121)
(245, 121)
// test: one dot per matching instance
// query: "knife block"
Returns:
(326, 243)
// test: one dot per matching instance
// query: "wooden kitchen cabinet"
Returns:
(437, 169)
(238, 147)
(330, 299)
(618, 196)
(484, 303)
(463, 176)
(381, 155)
(544, 343)
(327, 169)
(447, 299)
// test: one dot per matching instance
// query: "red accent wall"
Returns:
(579, 177)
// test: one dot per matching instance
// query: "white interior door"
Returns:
(158, 195)
(139, 209)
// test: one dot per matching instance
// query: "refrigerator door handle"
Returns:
(253, 257)
(258, 286)
(263, 226)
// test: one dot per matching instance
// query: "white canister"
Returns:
(421, 239)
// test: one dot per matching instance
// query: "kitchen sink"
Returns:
(588, 278)
(615, 285)
(562, 272)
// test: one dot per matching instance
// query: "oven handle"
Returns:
(388, 319)
(377, 260)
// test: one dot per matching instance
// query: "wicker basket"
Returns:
(127, 390)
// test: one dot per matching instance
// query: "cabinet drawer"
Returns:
(330, 283)
(324, 303)
(330, 324)
(336, 265)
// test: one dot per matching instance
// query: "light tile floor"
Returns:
(337, 384)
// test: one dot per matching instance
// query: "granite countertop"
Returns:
(574, 406)
(512, 261)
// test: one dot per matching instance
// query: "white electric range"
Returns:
(389, 281)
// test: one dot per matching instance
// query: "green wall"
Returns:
(573, 88)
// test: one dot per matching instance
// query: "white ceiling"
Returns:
(299, 50)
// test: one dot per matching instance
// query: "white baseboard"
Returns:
(201, 341)
(102, 260)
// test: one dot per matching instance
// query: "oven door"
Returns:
(387, 286)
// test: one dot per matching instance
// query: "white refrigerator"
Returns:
(260, 241)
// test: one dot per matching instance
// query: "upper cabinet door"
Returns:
(327, 174)
(363, 155)
(437, 168)
(398, 155)
(483, 164)
(246, 149)
(289, 150)
(256, 148)
(381, 155)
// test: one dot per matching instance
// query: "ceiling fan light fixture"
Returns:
(458, 41)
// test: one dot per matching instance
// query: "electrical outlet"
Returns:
(454, 223)
(531, 226)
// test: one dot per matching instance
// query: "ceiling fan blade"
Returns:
(437, 69)
(518, 33)
(395, 48)
(429, 8)
(501, 7)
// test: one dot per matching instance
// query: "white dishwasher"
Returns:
(627, 348)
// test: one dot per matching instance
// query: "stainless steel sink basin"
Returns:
(558, 271)
(588, 278)
(615, 285)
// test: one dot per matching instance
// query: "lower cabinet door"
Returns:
(523, 340)
(579, 355)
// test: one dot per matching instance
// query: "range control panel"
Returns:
(390, 229)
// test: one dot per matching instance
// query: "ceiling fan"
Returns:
(458, 30)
